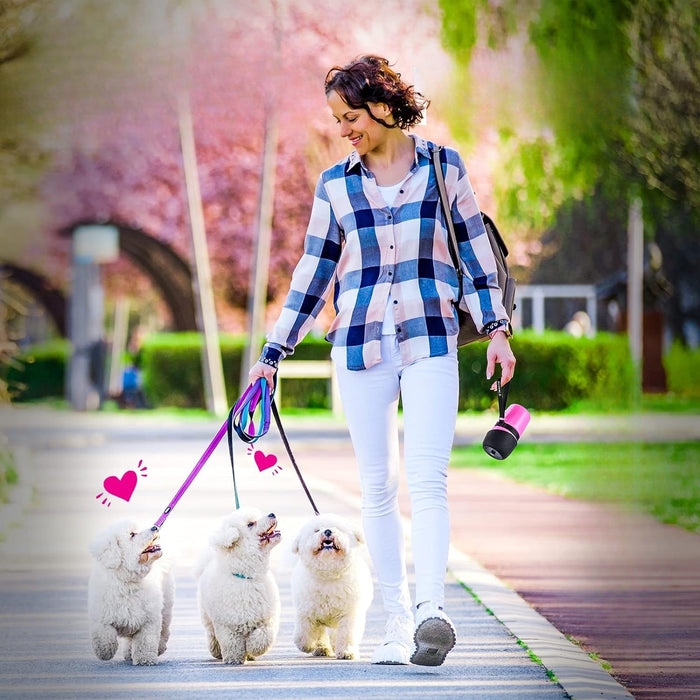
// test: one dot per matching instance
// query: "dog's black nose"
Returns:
(328, 533)
(270, 515)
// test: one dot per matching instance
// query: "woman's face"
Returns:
(363, 132)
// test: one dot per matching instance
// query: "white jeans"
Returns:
(429, 390)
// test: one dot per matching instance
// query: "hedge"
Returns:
(682, 367)
(554, 370)
(172, 371)
(38, 372)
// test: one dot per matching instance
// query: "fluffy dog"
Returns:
(128, 597)
(331, 588)
(238, 597)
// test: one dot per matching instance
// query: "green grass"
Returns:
(8, 473)
(662, 479)
(650, 403)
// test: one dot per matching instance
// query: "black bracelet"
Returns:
(503, 325)
(267, 361)
(494, 326)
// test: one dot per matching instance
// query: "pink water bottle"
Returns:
(502, 439)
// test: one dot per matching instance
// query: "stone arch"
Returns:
(52, 299)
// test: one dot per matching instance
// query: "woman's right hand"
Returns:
(260, 369)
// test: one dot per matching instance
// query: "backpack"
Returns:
(468, 332)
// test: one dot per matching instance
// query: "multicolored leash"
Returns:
(258, 400)
(243, 414)
(254, 406)
(242, 417)
(197, 467)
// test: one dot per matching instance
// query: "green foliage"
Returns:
(172, 371)
(172, 368)
(459, 30)
(8, 473)
(38, 372)
(616, 101)
(664, 51)
(554, 370)
(682, 367)
(584, 89)
(661, 479)
(536, 178)
(309, 393)
(583, 47)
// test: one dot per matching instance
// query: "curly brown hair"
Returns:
(370, 79)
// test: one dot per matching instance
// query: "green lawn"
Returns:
(662, 479)
(8, 473)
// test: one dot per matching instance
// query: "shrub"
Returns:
(306, 392)
(553, 371)
(682, 367)
(38, 372)
(172, 368)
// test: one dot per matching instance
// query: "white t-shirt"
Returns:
(389, 193)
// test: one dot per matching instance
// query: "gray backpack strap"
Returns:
(444, 200)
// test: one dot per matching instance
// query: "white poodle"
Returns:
(127, 596)
(331, 588)
(238, 597)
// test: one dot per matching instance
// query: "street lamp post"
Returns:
(92, 245)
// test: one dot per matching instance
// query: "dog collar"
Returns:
(243, 576)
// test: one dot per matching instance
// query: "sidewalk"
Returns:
(517, 533)
(44, 641)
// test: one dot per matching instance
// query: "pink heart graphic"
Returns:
(264, 461)
(121, 488)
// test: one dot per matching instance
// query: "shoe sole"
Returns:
(434, 639)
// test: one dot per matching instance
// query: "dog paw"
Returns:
(105, 652)
(145, 661)
(347, 654)
(233, 660)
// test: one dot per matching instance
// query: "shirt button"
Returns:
(389, 217)
(390, 274)
(391, 247)
(396, 301)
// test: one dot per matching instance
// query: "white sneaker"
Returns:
(398, 641)
(434, 636)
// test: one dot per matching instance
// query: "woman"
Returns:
(377, 239)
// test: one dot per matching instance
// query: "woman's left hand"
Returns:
(499, 352)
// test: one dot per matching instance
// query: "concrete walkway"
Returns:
(44, 647)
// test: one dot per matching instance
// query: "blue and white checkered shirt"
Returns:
(364, 251)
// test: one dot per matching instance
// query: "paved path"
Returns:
(44, 642)
(44, 648)
(624, 586)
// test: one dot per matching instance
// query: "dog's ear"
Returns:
(226, 536)
(106, 550)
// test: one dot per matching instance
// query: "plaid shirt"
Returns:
(364, 250)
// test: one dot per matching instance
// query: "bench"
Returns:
(311, 369)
